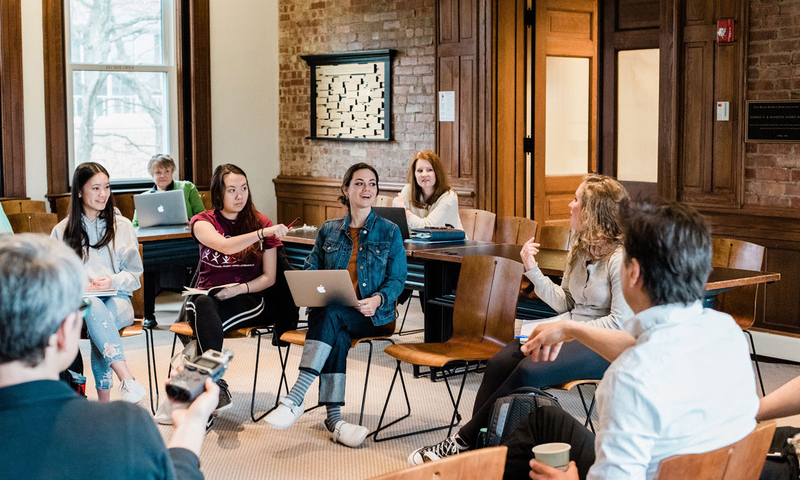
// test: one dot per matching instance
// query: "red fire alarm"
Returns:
(725, 30)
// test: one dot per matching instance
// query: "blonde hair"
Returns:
(600, 216)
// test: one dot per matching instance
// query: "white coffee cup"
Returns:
(554, 454)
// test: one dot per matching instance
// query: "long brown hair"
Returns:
(601, 228)
(348, 177)
(74, 235)
(441, 187)
(248, 219)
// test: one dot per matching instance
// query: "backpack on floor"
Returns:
(511, 410)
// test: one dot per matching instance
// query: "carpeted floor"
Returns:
(237, 448)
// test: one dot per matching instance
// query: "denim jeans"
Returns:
(105, 317)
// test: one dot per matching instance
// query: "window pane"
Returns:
(637, 115)
(119, 120)
(567, 116)
(119, 32)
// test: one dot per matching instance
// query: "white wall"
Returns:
(244, 94)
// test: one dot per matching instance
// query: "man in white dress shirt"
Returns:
(681, 379)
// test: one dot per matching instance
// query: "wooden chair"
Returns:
(35, 222)
(482, 464)
(742, 460)
(11, 207)
(586, 409)
(478, 224)
(205, 196)
(124, 202)
(483, 323)
(740, 303)
(554, 237)
(383, 201)
(62, 207)
(515, 230)
(298, 337)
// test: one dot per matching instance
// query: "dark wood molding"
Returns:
(667, 102)
(194, 90)
(11, 103)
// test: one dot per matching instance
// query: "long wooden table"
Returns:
(442, 267)
(164, 248)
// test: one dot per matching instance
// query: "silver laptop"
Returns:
(161, 208)
(396, 215)
(320, 288)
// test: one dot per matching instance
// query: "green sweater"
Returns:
(5, 227)
(194, 204)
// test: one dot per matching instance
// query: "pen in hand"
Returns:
(293, 222)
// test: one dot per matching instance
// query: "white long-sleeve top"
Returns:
(443, 212)
(589, 292)
(119, 259)
(687, 386)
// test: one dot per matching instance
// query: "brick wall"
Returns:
(772, 170)
(335, 26)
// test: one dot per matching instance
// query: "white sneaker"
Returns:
(132, 391)
(349, 434)
(285, 414)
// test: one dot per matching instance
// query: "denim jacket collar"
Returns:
(369, 224)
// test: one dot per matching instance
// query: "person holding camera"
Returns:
(43, 421)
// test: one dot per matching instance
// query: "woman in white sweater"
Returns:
(590, 291)
(427, 197)
(107, 243)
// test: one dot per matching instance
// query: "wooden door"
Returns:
(565, 60)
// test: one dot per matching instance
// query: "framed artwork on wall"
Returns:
(351, 95)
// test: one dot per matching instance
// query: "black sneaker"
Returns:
(447, 447)
(225, 400)
(149, 323)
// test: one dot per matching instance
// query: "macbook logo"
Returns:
(161, 209)
(321, 289)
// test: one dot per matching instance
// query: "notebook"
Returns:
(396, 215)
(161, 208)
(320, 288)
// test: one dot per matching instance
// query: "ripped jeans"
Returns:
(104, 319)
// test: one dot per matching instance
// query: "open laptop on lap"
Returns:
(396, 215)
(161, 208)
(320, 288)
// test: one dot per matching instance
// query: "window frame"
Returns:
(192, 62)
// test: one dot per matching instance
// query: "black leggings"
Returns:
(509, 370)
(210, 318)
(545, 425)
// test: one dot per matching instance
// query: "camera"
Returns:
(187, 385)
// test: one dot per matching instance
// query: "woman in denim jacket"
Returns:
(371, 249)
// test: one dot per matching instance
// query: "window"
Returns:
(637, 115)
(121, 84)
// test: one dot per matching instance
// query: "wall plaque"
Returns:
(351, 95)
(773, 121)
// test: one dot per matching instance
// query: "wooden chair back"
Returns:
(478, 224)
(486, 299)
(383, 201)
(23, 206)
(516, 230)
(555, 237)
(742, 460)
(35, 222)
(205, 196)
(62, 207)
(482, 464)
(740, 303)
(124, 202)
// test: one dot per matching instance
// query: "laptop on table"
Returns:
(161, 208)
(320, 288)
(396, 215)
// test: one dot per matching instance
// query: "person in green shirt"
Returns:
(5, 227)
(161, 167)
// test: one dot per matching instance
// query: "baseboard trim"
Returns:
(777, 346)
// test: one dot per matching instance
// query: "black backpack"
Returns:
(511, 410)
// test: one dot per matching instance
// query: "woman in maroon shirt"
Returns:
(238, 249)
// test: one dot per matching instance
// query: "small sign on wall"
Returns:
(447, 106)
(773, 121)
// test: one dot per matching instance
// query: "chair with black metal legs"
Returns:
(587, 409)
(483, 323)
(298, 337)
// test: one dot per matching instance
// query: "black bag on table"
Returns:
(511, 410)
